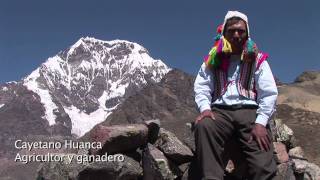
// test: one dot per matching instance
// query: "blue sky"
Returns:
(178, 32)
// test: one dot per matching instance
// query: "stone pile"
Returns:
(149, 152)
(153, 153)
(292, 165)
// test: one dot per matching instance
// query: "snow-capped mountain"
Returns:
(81, 86)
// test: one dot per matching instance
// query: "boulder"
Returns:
(184, 169)
(296, 153)
(281, 152)
(285, 172)
(157, 167)
(306, 170)
(136, 155)
(153, 130)
(299, 166)
(128, 169)
(173, 148)
(119, 138)
(59, 170)
(284, 134)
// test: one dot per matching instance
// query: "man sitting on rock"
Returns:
(236, 94)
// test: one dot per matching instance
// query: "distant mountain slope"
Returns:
(91, 78)
(171, 101)
(304, 93)
(299, 107)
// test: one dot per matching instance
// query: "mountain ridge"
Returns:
(90, 73)
(74, 90)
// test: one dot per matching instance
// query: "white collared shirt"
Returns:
(265, 85)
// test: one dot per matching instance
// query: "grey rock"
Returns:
(173, 148)
(306, 170)
(60, 170)
(284, 134)
(136, 155)
(296, 153)
(312, 172)
(153, 130)
(185, 169)
(11, 170)
(119, 138)
(299, 166)
(156, 166)
(128, 169)
(280, 152)
(285, 172)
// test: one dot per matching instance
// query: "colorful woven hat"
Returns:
(221, 50)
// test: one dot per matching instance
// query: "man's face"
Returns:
(236, 34)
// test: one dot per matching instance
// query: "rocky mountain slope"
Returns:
(91, 78)
(171, 101)
(299, 108)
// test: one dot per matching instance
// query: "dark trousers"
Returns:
(212, 137)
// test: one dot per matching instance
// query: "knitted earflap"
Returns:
(250, 51)
(220, 48)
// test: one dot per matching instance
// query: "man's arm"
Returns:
(267, 93)
(266, 98)
(203, 88)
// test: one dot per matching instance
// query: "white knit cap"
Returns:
(232, 14)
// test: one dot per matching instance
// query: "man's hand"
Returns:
(259, 133)
(204, 114)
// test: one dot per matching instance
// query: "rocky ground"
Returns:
(152, 153)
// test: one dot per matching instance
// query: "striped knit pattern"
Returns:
(246, 82)
(220, 82)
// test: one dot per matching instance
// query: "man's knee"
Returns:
(264, 168)
(203, 124)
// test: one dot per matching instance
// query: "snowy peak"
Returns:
(91, 78)
(96, 47)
